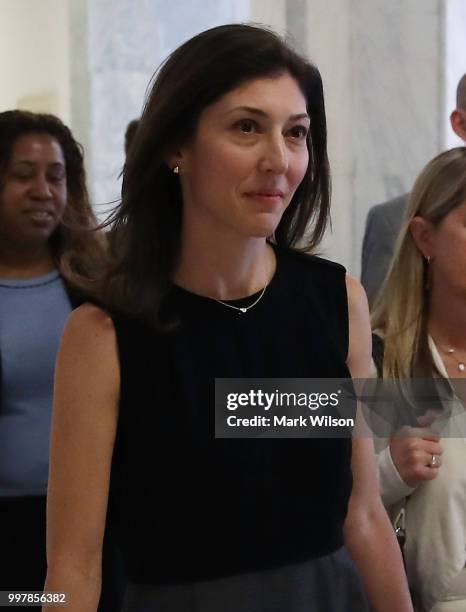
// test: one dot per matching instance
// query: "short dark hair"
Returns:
(194, 76)
(461, 93)
(75, 249)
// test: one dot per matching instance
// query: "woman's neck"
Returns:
(25, 263)
(447, 319)
(226, 271)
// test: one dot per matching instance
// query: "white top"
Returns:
(435, 548)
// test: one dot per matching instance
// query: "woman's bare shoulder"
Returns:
(89, 324)
(357, 299)
(359, 350)
(89, 343)
(92, 317)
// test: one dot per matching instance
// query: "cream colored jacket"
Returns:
(435, 548)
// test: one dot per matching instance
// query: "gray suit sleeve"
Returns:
(377, 251)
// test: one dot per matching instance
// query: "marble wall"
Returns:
(126, 43)
(388, 70)
(397, 95)
(117, 45)
(272, 14)
(80, 102)
(328, 35)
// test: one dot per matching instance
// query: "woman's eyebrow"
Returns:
(261, 113)
(29, 162)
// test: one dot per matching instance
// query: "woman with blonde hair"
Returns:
(421, 316)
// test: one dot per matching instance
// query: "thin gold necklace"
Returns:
(461, 365)
(243, 309)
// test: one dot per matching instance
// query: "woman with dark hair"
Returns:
(44, 245)
(231, 150)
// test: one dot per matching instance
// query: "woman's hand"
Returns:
(412, 450)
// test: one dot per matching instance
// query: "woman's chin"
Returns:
(263, 228)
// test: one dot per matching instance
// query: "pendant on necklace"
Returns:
(461, 365)
(245, 310)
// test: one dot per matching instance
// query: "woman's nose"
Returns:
(275, 156)
(41, 188)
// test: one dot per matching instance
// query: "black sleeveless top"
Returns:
(192, 507)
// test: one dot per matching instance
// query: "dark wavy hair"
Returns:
(78, 252)
(147, 223)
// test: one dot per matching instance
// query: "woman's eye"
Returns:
(247, 126)
(299, 132)
(22, 176)
(56, 178)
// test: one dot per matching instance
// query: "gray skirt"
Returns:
(326, 584)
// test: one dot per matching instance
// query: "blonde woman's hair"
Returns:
(401, 309)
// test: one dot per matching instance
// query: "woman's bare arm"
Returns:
(83, 433)
(368, 533)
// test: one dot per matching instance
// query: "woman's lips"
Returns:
(271, 196)
(39, 216)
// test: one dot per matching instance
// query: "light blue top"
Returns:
(32, 316)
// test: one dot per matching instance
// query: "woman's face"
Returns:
(33, 193)
(448, 253)
(247, 158)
